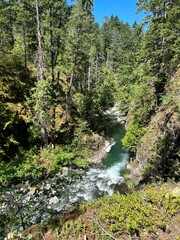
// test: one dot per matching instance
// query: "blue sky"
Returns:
(124, 9)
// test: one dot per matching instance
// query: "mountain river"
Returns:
(30, 203)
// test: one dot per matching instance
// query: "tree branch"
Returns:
(108, 234)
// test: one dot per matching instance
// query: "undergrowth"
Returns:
(124, 216)
(37, 163)
(150, 213)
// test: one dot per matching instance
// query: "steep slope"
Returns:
(151, 213)
(158, 153)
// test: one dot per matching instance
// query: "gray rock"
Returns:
(54, 200)
(65, 171)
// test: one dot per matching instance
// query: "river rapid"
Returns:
(31, 203)
(104, 180)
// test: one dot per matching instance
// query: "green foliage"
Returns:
(64, 156)
(119, 45)
(75, 229)
(154, 65)
(79, 36)
(133, 135)
(158, 47)
(141, 106)
(24, 166)
(30, 236)
(32, 164)
(163, 165)
(41, 106)
(125, 216)
(29, 166)
(92, 105)
(81, 131)
(15, 81)
(61, 158)
(80, 63)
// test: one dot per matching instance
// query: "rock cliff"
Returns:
(158, 154)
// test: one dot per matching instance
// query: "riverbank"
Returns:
(132, 174)
(63, 191)
(100, 153)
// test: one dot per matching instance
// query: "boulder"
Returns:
(54, 200)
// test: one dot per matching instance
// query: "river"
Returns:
(29, 203)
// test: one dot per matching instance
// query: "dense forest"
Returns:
(59, 73)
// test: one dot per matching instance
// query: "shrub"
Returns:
(133, 135)
(124, 216)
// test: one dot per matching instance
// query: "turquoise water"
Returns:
(118, 154)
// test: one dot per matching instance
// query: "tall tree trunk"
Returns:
(51, 47)
(89, 77)
(40, 77)
(72, 74)
(40, 57)
(25, 47)
(11, 25)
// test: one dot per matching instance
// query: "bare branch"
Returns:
(108, 234)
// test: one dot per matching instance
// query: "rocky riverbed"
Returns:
(31, 202)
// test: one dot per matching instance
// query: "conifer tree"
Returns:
(78, 44)
(160, 48)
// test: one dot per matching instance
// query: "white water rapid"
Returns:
(98, 182)
(54, 194)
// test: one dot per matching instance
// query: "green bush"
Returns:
(133, 134)
(34, 163)
(66, 156)
(25, 165)
(124, 216)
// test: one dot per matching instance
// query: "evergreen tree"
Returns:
(160, 48)
(157, 59)
(78, 44)
(7, 19)
(50, 20)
